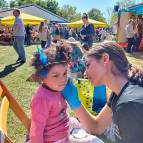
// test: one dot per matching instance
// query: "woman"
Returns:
(129, 29)
(107, 64)
(87, 31)
(43, 34)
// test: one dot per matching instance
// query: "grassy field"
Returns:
(14, 76)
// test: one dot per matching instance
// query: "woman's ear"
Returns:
(105, 58)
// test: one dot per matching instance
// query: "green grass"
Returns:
(17, 84)
(15, 79)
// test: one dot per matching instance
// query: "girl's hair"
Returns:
(54, 55)
(121, 65)
(41, 26)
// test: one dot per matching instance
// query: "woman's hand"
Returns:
(82, 36)
(70, 93)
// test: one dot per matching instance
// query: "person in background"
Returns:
(28, 30)
(103, 34)
(56, 36)
(77, 64)
(114, 30)
(139, 33)
(19, 36)
(107, 64)
(45, 24)
(43, 34)
(97, 31)
(87, 31)
(65, 33)
(130, 35)
(70, 32)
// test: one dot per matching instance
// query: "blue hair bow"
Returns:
(43, 58)
(44, 61)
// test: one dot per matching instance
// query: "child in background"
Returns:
(43, 35)
(77, 64)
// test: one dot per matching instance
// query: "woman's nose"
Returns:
(85, 74)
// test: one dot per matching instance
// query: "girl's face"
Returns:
(95, 70)
(57, 77)
(70, 48)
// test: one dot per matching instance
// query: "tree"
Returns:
(3, 3)
(113, 18)
(69, 13)
(13, 3)
(51, 5)
(22, 2)
(123, 4)
(96, 15)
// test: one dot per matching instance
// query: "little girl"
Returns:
(49, 120)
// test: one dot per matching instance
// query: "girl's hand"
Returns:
(70, 93)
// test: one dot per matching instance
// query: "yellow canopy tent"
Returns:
(27, 19)
(79, 23)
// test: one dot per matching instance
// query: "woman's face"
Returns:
(57, 77)
(85, 20)
(70, 48)
(95, 70)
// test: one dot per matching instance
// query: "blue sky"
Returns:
(86, 5)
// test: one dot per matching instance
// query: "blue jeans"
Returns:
(18, 45)
(131, 43)
(138, 39)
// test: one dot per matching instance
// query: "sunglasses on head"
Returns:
(84, 17)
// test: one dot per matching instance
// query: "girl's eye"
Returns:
(87, 65)
(55, 76)
(65, 74)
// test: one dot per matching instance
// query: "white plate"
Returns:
(79, 133)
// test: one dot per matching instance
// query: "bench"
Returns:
(8, 101)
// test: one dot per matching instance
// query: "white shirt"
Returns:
(43, 34)
(129, 30)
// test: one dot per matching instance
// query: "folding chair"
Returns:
(8, 101)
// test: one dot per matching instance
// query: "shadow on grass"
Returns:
(9, 69)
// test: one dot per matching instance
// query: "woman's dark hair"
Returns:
(41, 26)
(84, 16)
(17, 10)
(55, 55)
(121, 64)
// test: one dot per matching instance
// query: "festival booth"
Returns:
(27, 19)
(7, 22)
(132, 12)
(79, 23)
